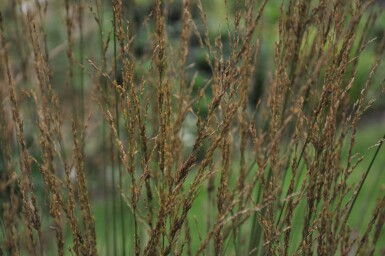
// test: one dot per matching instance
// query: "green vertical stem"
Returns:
(117, 123)
(112, 157)
(113, 195)
(105, 189)
(104, 128)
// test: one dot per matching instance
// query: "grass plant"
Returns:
(136, 133)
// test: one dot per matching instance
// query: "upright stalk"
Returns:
(117, 124)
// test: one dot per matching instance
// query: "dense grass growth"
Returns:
(191, 127)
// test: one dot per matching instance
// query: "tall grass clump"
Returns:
(190, 127)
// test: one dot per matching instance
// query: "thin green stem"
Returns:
(112, 158)
(365, 176)
(117, 123)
